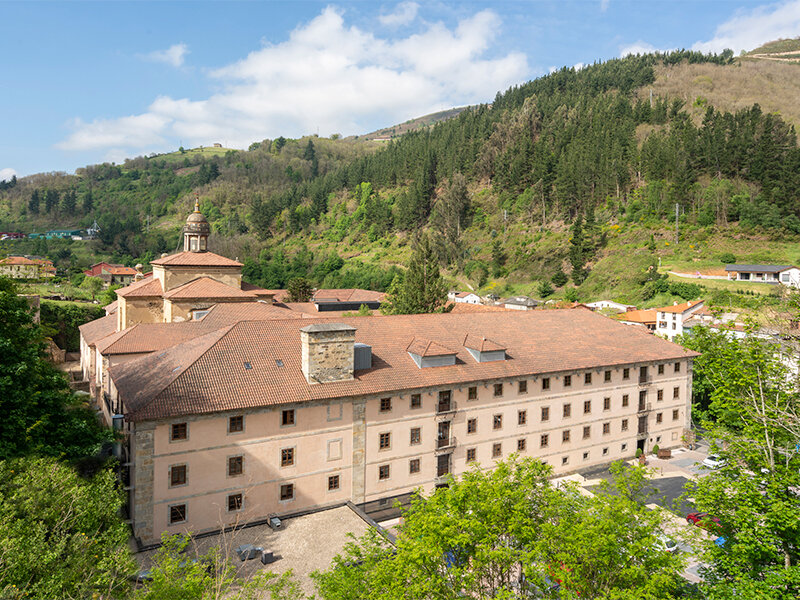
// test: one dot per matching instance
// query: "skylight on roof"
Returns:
(279, 362)
(247, 365)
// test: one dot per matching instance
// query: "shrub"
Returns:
(545, 289)
(638, 452)
(655, 449)
(559, 279)
(727, 258)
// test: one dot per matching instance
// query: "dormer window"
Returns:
(483, 349)
(427, 353)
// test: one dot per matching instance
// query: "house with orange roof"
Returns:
(670, 319)
(19, 267)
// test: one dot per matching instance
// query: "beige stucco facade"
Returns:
(348, 439)
(172, 276)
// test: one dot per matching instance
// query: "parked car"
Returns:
(667, 544)
(702, 519)
(712, 461)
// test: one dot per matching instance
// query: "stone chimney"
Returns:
(139, 274)
(327, 352)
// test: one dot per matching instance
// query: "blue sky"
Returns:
(87, 82)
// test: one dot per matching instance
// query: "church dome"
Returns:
(196, 222)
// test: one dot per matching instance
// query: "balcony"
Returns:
(644, 407)
(645, 381)
(446, 409)
(446, 444)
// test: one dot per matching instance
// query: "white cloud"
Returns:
(552, 69)
(174, 55)
(327, 76)
(748, 29)
(403, 14)
(604, 5)
(578, 66)
(6, 174)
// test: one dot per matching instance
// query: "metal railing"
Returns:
(446, 443)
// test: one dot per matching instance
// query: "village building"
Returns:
(788, 275)
(112, 274)
(610, 305)
(670, 319)
(463, 297)
(27, 267)
(518, 303)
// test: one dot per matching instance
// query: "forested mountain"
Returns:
(583, 150)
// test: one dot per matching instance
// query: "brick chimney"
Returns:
(327, 352)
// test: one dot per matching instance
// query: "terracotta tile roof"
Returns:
(196, 259)
(205, 287)
(637, 316)
(463, 307)
(279, 295)
(481, 344)
(679, 308)
(348, 295)
(120, 270)
(254, 289)
(150, 337)
(111, 308)
(229, 313)
(98, 329)
(149, 287)
(310, 309)
(208, 374)
(18, 260)
(423, 347)
(463, 294)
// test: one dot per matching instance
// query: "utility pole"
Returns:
(677, 206)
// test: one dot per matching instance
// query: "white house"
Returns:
(464, 297)
(610, 304)
(785, 274)
(519, 303)
(670, 319)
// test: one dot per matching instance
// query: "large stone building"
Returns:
(280, 416)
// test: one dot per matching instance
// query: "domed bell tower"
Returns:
(196, 231)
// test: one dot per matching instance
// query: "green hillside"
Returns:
(573, 176)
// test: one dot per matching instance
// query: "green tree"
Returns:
(93, 285)
(300, 289)
(40, 413)
(577, 251)
(422, 289)
(544, 289)
(33, 203)
(752, 414)
(62, 536)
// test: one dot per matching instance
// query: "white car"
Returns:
(666, 544)
(713, 461)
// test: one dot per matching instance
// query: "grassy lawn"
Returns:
(205, 152)
(723, 284)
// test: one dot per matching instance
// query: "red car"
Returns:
(702, 519)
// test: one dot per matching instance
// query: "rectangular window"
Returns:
(659, 395)
(543, 440)
(235, 465)
(545, 413)
(606, 403)
(472, 425)
(677, 367)
(565, 436)
(416, 437)
(287, 457)
(659, 417)
(606, 428)
(564, 460)
(179, 431)
(287, 417)
(413, 466)
(676, 392)
(235, 424)
(287, 491)
(498, 389)
(587, 378)
(177, 475)
(675, 414)
(383, 472)
(624, 400)
(567, 380)
(605, 451)
(497, 450)
(177, 514)
(587, 432)
(333, 482)
(385, 441)
(470, 454)
(660, 369)
(626, 373)
(623, 447)
(607, 376)
(472, 393)
(545, 383)
(416, 401)
(521, 444)
(624, 424)
(567, 410)
(585, 456)
(497, 422)
(587, 407)
(234, 502)
(522, 417)
(522, 387)
(386, 404)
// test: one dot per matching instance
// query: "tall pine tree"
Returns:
(422, 290)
